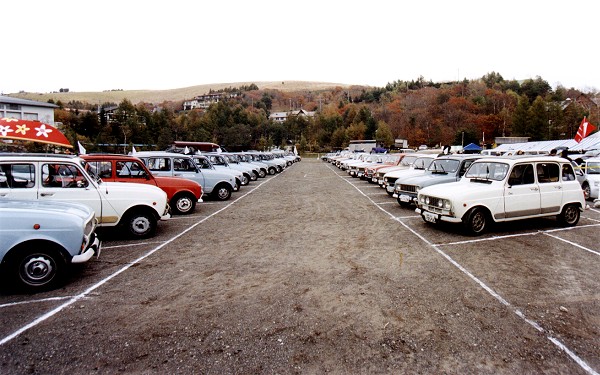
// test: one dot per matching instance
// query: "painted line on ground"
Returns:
(49, 299)
(85, 293)
(573, 244)
(497, 296)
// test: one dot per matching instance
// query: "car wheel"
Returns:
(403, 204)
(476, 221)
(262, 173)
(245, 179)
(569, 216)
(586, 191)
(272, 171)
(183, 204)
(254, 176)
(39, 267)
(222, 192)
(141, 224)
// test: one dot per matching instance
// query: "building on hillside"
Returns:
(283, 116)
(24, 109)
(204, 101)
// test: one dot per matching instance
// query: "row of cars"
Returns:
(478, 190)
(52, 205)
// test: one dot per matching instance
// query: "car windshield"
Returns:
(393, 159)
(92, 171)
(408, 160)
(422, 163)
(487, 171)
(444, 165)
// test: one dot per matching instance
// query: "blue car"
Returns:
(41, 239)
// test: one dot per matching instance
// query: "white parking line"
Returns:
(573, 244)
(499, 298)
(10, 304)
(85, 293)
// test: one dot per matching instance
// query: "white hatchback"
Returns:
(506, 189)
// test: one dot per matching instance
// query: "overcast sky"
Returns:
(96, 45)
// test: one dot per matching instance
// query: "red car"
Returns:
(181, 193)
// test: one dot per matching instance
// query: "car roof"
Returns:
(523, 158)
(34, 156)
(160, 153)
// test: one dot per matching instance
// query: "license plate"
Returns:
(394, 195)
(405, 198)
(429, 217)
(390, 189)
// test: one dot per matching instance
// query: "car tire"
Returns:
(403, 204)
(245, 179)
(183, 204)
(262, 173)
(37, 267)
(254, 176)
(586, 190)
(222, 192)
(272, 171)
(476, 221)
(141, 224)
(569, 217)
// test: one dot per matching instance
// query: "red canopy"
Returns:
(35, 131)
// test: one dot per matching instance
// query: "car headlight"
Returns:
(426, 200)
(447, 204)
(440, 203)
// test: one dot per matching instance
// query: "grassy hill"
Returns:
(180, 94)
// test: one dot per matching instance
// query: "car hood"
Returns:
(131, 189)
(76, 209)
(463, 188)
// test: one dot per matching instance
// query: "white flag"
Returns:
(133, 151)
(81, 148)
(295, 151)
(186, 150)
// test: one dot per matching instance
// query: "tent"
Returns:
(471, 148)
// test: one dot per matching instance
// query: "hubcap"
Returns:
(37, 269)
(140, 224)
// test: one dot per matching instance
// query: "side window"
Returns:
(102, 169)
(547, 172)
(182, 165)
(158, 164)
(17, 176)
(521, 174)
(128, 169)
(567, 173)
(464, 167)
(63, 176)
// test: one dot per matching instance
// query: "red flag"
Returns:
(585, 129)
(29, 130)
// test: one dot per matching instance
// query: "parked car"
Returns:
(234, 161)
(406, 162)
(135, 208)
(418, 167)
(247, 159)
(391, 160)
(215, 183)
(591, 178)
(218, 162)
(505, 189)
(442, 170)
(181, 193)
(40, 240)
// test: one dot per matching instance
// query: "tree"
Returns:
(521, 117)
(538, 120)
(384, 134)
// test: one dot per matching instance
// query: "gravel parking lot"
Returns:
(313, 271)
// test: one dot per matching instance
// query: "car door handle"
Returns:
(177, 174)
(47, 194)
(558, 187)
(3, 194)
(535, 189)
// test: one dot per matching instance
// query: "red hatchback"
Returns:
(181, 193)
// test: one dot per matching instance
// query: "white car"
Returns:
(591, 178)
(136, 208)
(505, 189)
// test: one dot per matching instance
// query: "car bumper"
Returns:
(93, 248)
(434, 217)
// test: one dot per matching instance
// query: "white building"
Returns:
(27, 109)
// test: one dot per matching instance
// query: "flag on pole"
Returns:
(585, 129)
(133, 150)
(186, 150)
(82, 150)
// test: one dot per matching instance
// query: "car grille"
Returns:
(408, 188)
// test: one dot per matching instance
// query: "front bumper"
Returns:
(94, 247)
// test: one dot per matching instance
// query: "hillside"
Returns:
(180, 94)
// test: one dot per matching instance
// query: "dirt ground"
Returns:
(307, 275)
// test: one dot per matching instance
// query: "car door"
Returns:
(521, 193)
(68, 182)
(548, 178)
(18, 181)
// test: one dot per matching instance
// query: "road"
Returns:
(313, 271)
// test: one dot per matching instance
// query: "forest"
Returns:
(423, 112)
